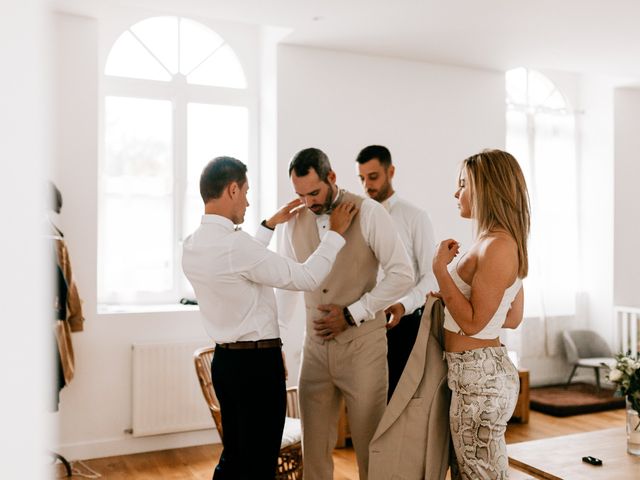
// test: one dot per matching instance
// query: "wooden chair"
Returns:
(290, 459)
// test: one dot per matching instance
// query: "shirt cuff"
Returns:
(264, 234)
(334, 239)
(408, 305)
(358, 313)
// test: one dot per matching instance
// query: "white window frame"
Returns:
(244, 41)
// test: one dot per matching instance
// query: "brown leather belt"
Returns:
(250, 345)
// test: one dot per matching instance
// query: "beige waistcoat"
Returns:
(353, 274)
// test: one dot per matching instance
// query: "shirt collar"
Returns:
(335, 202)
(338, 198)
(218, 220)
(390, 202)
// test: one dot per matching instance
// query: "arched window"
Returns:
(175, 96)
(541, 135)
(170, 48)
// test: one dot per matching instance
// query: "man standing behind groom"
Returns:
(345, 347)
(376, 172)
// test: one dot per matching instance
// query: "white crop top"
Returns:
(492, 329)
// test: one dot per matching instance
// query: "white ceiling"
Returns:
(584, 36)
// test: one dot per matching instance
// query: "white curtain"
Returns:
(544, 144)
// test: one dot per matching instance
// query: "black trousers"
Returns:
(250, 387)
(400, 340)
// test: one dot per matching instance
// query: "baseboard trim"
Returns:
(129, 445)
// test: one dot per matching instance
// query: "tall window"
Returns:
(175, 96)
(541, 135)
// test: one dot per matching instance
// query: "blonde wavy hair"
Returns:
(499, 198)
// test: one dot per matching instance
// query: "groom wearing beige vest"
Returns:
(345, 345)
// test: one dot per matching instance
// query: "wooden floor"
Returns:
(196, 463)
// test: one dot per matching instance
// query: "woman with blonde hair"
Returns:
(483, 293)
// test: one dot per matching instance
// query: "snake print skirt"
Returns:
(484, 389)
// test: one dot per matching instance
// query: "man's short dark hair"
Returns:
(310, 158)
(220, 172)
(375, 151)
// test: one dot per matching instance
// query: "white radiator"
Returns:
(627, 327)
(166, 393)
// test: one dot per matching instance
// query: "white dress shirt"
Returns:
(416, 232)
(233, 273)
(380, 234)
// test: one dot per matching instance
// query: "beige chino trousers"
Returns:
(357, 371)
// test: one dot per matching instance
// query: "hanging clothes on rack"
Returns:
(60, 309)
(74, 303)
(67, 309)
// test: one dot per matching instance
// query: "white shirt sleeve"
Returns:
(286, 300)
(381, 235)
(423, 248)
(257, 263)
(263, 235)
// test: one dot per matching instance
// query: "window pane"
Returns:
(212, 131)
(138, 244)
(539, 89)
(160, 35)
(197, 42)
(128, 58)
(556, 101)
(136, 238)
(222, 69)
(138, 137)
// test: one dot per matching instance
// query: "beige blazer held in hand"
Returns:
(412, 439)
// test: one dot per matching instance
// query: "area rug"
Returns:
(576, 399)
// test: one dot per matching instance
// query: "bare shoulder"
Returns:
(499, 251)
(497, 243)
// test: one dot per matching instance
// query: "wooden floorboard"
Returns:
(197, 463)
(545, 426)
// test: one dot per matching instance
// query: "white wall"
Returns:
(268, 131)
(596, 203)
(627, 206)
(431, 117)
(27, 339)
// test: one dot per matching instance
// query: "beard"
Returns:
(382, 194)
(322, 208)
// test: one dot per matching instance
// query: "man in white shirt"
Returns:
(344, 353)
(233, 275)
(376, 172)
